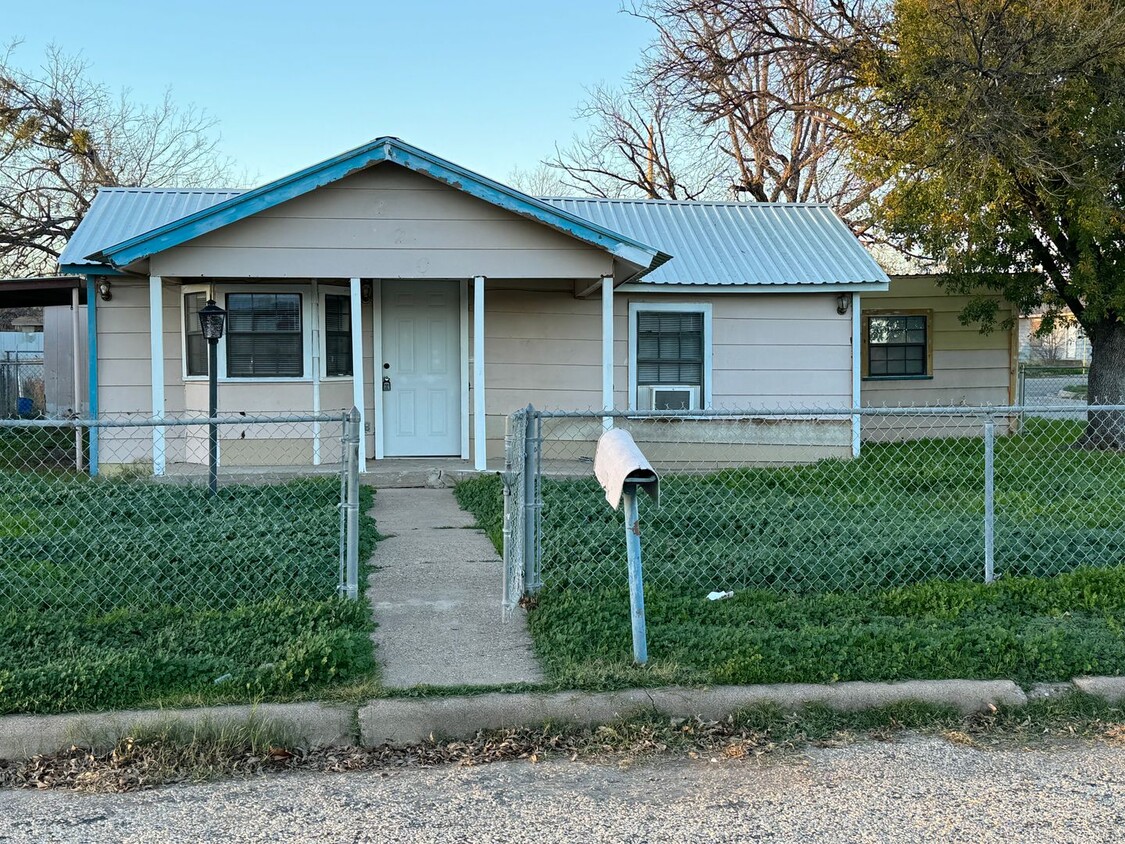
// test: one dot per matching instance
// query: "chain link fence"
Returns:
(821, 500)
(116, 514)
(1042, 384)
(22, 388)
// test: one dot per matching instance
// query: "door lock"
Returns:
(386, 383)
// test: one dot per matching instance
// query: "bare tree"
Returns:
(776, 81)
(63, 135)
(542, 180)
(640, 144)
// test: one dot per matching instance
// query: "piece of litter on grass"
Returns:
(226, 678)
(718, 596)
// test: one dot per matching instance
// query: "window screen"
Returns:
(264, 335)
(896, 345)
(195, 344)
(670, 348)
(337, 335)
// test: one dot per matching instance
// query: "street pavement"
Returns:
(911, 790)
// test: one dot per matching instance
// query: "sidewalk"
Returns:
(435, 594)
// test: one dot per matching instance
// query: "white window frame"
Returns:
(219, 291)
(635, 308)
(326, 290)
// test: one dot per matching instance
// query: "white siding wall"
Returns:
(770, 350)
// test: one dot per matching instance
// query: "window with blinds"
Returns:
(337, 335)
(670, 348)
(264, 335)
(195, 344)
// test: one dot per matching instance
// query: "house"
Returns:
(437, 301)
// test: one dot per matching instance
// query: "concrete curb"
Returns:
(311, 724)
(398, 721)
(405, 721)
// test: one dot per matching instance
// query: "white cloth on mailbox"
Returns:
(617, 456)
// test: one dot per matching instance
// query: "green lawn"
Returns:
(121, 592)
(858, 569)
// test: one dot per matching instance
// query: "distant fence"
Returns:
(775, 499)
(22, 391)
(129, 539)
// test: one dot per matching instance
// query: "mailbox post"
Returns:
(623, 470)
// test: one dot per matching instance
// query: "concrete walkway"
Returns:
(436, 597)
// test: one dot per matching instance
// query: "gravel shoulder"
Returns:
(914, 789)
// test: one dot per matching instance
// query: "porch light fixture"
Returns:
(212, 320)
(104, 290)
(843, 301)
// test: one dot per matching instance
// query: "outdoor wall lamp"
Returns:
(212, 320)
(843, 301)
(104, 290)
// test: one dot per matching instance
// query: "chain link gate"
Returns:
(522, 507)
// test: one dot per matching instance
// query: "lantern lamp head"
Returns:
(843, 301)
(212, 320)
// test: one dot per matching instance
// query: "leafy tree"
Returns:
(63, 135)
(1000, 125)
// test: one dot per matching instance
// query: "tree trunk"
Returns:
(1105, 429)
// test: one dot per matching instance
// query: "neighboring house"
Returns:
(438, 301)
(1065, 344)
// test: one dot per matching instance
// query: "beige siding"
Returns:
(770, 351)
(385, 222)
(969, 368)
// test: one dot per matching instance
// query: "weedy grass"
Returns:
(863, 569)
(1025, 629)
(124, 593)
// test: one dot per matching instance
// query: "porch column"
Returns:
(156, 356)
(76, 351)
(607, 349)
(480, 433)
(857, 349)
(92, 367)
(356, 313)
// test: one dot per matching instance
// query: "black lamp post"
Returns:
(212, 320)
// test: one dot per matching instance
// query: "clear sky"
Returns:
(489, 84)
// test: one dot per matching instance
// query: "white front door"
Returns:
(420, 372)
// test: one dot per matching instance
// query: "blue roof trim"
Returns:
(382, 149)
(87, 269)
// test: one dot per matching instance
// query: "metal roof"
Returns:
(738, 243)
(713, 243)
(117, 214)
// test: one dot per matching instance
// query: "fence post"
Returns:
(989, 498)
(531, 582)
(351, 503)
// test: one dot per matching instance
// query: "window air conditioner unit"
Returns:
(672, 397)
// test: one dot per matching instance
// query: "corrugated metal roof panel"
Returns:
(737, 242)
(117, 214)
(720, 243)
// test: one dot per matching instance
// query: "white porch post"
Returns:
(156, 354)
(356, 312)
(480, 433)
(857, 352)
(316, 342)
(607, 349)
(76, 351)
